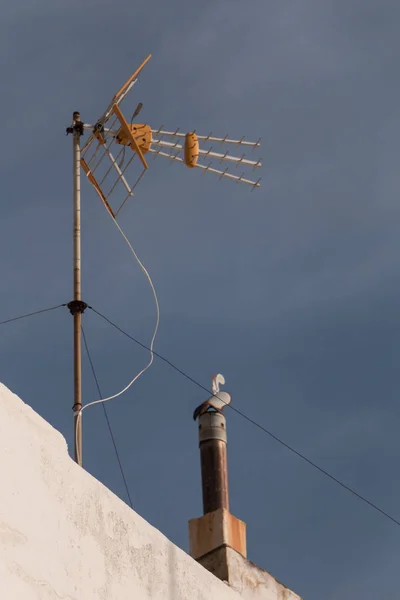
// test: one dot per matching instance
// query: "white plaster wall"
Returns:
(64, 536)
(253, 583)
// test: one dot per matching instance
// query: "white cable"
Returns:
(101, 400)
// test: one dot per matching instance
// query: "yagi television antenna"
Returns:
(114, 159)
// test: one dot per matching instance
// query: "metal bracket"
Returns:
(99, 127)
(77, 125)
(77, 306)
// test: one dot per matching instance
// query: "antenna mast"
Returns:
(76, 306)
(108, 161)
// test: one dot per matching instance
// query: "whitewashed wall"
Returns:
(64, 536)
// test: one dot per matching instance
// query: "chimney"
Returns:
(217, 528)
(217, 540)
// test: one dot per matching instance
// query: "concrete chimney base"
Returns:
(214, 530)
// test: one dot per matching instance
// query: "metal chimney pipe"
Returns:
(214, 467)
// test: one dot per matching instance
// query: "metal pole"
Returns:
(214, 468)
(77, 307)
(77, 291)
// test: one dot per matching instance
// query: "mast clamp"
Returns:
(77, 306)
(77, 125)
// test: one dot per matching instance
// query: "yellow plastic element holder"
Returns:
(131, 78)
(126, 130)
(191, 153)
(142, 134)
(96, 186)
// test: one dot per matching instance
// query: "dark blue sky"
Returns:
(292, 292)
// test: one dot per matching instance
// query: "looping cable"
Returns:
(151, 347)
